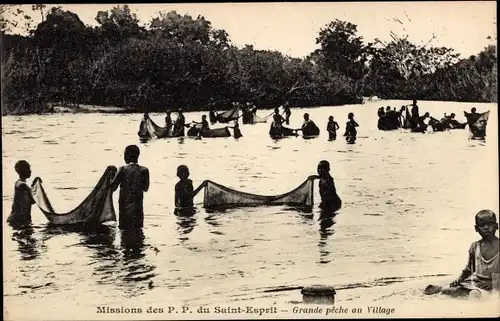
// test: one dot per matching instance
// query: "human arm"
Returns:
(199, 188)
(336, 126)
(145, 180)
(27, 190)
(117, 179)
(467, 271)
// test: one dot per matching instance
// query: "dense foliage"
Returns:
(180, 61)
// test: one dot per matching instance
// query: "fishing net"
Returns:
(148, 129)
(257, 119)
(219, 196)
(96, 208)
(228, 115)
(477, 123)
(216, 132)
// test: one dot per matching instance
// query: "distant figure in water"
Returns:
(184, 193)
(483, 269)
(168, 120)
(20, 215)
(287, 112)
(330, 201)
(236, 130)
(414, 111)
(180, 123)
(277, 122)
(143, 130)
(422, 119)
(350, 128)
(309, 128)
(332, 127)
(133, 180)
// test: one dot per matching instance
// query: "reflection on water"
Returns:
(326, 222)
(406, 200)
(186, 224)
(28, 246)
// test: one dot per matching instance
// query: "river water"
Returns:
(407, 220)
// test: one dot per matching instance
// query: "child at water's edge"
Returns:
(482, 269)
(330, 201)
(133, 180)
(23, 198)
(184, 193)
(483, 263)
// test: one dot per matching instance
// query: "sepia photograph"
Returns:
(271, 160)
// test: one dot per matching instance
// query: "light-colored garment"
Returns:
(481, 269)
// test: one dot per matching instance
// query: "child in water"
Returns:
(350, 128)
(330, 201)
(332, 127)
(133, 180)
(23, 198)
(184, 193)
(483, 268)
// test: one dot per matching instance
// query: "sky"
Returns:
(292, 28)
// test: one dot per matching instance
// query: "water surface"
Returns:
(407, 221)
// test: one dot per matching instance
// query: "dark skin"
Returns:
(486, 226)
(24, 174)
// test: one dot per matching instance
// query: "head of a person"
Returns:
(394, 109)
(486, 223)
(204, 117)
(414, 101)
(388, 108)
(276, 110)
(403, 107)
(330, 118)
(146, 116)
(131, 154)
(236, 124)
(473, 110)
(183, 172)
(23, 169)
(350, 115)
(180, 111)
(306, 116)
(426, 114)
(452, 115)
(323, 168)
(168, 112)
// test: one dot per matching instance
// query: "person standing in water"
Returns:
(332, 128)
(179, 124)
(184, 193)
(350, 128)
(168, 120)
(133, 180)
(330, 201)
(20, 214)
(414, 113)
(277, 124)
(287, 113)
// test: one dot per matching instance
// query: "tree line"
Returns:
(179, 61)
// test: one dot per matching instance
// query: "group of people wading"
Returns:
(391, 119)
(309, 128)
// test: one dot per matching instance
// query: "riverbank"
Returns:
(83, 109)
